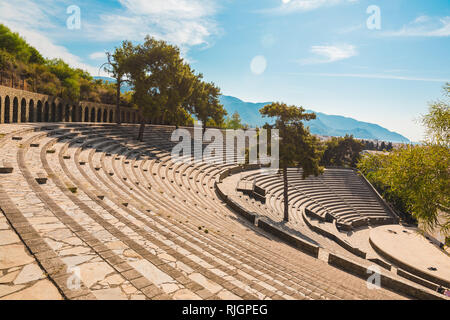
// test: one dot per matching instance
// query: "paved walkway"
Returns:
(20, 276)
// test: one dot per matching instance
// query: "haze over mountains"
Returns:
(324, 124)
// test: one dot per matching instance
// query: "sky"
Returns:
(379, 61)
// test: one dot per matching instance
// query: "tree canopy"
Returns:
(437, 120)
(165, 86)
(235, 122)
(21, 62)
(342, 152)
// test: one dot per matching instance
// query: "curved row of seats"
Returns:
(338, 194)
(137, 225)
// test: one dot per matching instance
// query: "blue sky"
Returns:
(316, 53)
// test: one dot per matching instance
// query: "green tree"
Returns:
(116, 67)
(68, 78)
(416, 179)
(297, 146)
(204, 103)
(342, 152)
(437, 121)
(161, 80)
(235, 122)
(389, 146)
(15, 45)
(181, 85)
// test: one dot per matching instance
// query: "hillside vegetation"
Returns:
(22, 66)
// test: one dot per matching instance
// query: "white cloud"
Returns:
(28, 14)
(423, 26)
(98, 55)
(331, 53)
(184, 9)
(287, 7)
(185, 23)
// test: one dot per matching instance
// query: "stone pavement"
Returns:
(20, 276)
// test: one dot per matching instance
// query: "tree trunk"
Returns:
(118, 120)
(285, 194)
(204, 127)
(141, 130)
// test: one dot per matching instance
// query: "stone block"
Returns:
(41, 178)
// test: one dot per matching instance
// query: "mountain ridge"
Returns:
(324, 124)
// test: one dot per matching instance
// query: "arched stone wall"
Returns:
(18, 106)
(15, 111)
(45, 114)
(7, 111)
(31, 111)
(86, 114)
(67, 114)
(73, 114)
(39, 111)
(23, 110)
(92, 116)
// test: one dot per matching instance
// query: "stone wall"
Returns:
(18, 106)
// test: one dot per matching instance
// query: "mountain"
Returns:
(324, 124)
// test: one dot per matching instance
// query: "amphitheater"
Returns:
(88, 212)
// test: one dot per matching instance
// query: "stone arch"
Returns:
(7, 110)
(80, 114)
(86, 114)
(111, 116)
(74, 114)
(122, 117)
(23, 110)
(92, 115)
(1, 114)
(46, 112)
(31, 111)
(105, 115)
(59, 112)
(99, 115)
(39, 111)
(67, 114)
(53, 112)
(15, 117)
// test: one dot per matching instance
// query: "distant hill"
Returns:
(324, 124)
